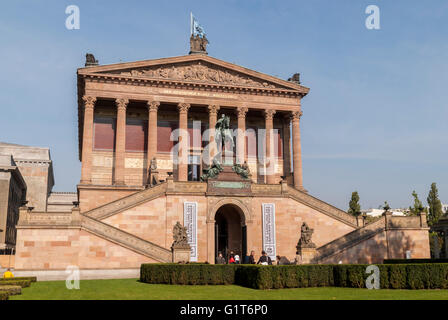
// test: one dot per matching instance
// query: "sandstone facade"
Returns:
(129, 114)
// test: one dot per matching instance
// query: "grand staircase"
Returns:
(321, 206)
(122, 204)
(91, 222)
(125, 239)
(350, 239)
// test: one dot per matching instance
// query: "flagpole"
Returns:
(191, 23)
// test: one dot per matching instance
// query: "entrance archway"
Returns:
(230, 231)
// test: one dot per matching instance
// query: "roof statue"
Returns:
(90, 60)
(198, 40)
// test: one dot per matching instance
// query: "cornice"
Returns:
(141, 81)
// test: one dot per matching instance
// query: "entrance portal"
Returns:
(230, 232)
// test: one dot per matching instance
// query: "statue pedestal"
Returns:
(181, 254)
(307, 255)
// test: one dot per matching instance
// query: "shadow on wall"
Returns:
(391, 244)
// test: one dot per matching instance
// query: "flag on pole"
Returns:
(195, 27)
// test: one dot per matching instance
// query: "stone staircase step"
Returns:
(126, 239)
(130, 201)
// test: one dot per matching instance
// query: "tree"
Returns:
(354, 206)
(418, 205)
(435, 206)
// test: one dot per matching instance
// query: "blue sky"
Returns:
(375, 120)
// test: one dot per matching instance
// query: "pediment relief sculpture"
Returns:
(199, 72)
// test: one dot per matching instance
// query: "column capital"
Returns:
(213, 109)
(121, 103)
(89, 102)
(241, 112)
(296, 115)
(269, 114)
(183, 107)
(153, 105)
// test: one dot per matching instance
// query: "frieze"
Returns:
(199, 72)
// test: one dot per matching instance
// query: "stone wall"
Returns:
(54, 249)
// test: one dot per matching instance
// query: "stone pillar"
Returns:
(182, 167)
(270, 152)
(212, 118)
(241, 136)
(153, 107)
(297, 149)
(287, 146)
(211, 241)
(120, 141)
(87, 140)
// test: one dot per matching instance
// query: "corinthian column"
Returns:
(296, 149)
(182, 167)
(87, 140)
(212, 118)
(153, 107)
(287, 146)
(120, 141)
(241, 135)
(270, 155)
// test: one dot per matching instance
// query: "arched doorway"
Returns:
(230, 231)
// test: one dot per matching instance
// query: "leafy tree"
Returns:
(354, 206)
(418, 205)
(435, 206)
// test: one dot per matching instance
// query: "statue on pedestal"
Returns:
(153, 176)
(180, 238)
(305, 237)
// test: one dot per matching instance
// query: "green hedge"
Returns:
(392, 276)
(187, 274)
(22, 283)
(11, 290)
(4, 295)
(287, 276)
(32, 279)
(413, 261)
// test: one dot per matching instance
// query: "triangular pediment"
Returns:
(194, 69)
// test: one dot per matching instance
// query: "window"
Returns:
(136, 135)
(104, 133)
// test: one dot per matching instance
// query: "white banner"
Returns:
(269, 229)
(190, 222)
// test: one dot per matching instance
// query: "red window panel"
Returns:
(104, 133)
(164, 130)
(251, 142)
(136, 135)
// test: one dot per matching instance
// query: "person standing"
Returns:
(252, 257)
(8, 274)
(237, 259)
(220, 259)
(264, 259)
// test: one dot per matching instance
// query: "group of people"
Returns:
(250, 259)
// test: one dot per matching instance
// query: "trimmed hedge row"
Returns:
(392, 276)
(21, 283)
(287, 276)
(407, 261)
(187, 274)
(11, 290)
(31, 279)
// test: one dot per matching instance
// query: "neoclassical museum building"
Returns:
(145, 131)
